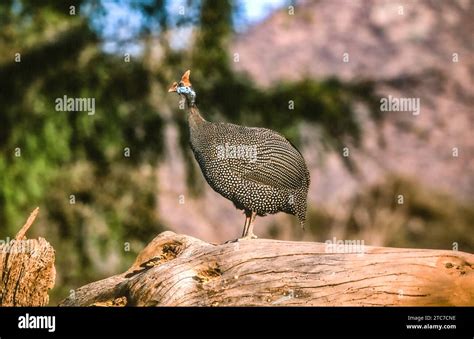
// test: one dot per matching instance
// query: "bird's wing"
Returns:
(278, 164)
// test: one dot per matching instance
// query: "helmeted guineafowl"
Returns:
(257, 169)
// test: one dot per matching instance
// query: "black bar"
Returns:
(290, 321)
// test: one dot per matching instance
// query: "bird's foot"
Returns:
(248, 237)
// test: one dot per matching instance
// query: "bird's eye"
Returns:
(180, 84)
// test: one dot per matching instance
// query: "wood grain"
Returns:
(178, 270)
(27, 269)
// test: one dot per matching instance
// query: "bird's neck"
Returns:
(194, 117)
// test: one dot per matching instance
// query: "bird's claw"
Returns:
(248, 237)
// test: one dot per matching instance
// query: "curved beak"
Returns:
(173, 87)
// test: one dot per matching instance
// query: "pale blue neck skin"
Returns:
(188, 94)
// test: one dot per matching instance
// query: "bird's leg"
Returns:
(250, 230)
(248, 216)
(249, 234)
(247, 223)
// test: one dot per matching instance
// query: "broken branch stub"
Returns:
(27, 269)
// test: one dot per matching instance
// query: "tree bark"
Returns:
(178, 270)
(26, 269)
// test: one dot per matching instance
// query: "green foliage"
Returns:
(47, 156)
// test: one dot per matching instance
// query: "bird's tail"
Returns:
(301, 208)
(302, 223)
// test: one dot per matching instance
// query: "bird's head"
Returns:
(184, 88)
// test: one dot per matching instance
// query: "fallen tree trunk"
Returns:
(27, 269)
(178, 270)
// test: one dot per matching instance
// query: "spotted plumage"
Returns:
(257, 169)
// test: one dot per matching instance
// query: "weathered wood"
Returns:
(26, 269)
(178, 270)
